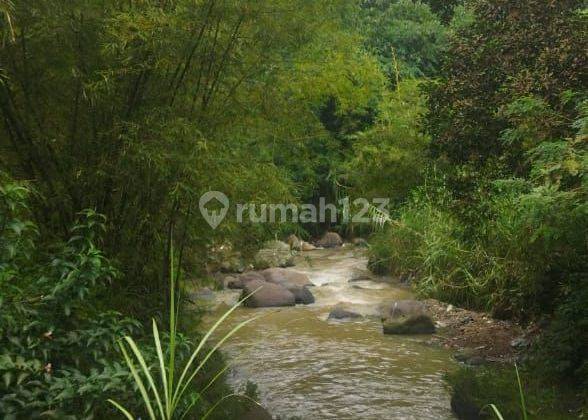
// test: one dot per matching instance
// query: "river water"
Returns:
(309, 367)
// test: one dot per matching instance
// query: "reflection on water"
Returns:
(312, 368)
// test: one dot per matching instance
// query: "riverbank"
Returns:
(475, 336)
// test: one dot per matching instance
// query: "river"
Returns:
(309, 367)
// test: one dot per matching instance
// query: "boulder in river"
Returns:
(297, 283)
(330, 240)
(403, 308)
(239, 282)
(302, 295)
(412, 324)
(267, 295)
(266, 258)
(283, 276)
(341, 312)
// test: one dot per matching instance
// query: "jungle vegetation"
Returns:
(116, 116)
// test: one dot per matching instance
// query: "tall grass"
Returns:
(497, 412)
(425, 240)
(516, 258)
(162, 395)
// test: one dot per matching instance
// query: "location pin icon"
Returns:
(214, 217)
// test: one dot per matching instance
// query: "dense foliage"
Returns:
(471, 116)
(137, 108)
(500, 221)
(406, 36)
(59, 346)
(58, 352)
(134, 109)
(389, 158)
(511, 50)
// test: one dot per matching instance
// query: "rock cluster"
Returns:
(274, 287)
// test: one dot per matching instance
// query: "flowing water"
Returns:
(309, 367)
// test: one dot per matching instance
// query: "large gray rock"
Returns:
(297, 283)
(267, 295)
(412, 324)
(282, 276)
(266, 258)
(403, 308)
(330, 240)
(341, 312)
(302, 295)
(407, 317)
(239, 282)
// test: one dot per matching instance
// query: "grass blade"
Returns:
(139, 382)
(211, 352)
(146, 372)
(521, 393)
(121, 409)
(162, 368)
(172, 318)
(180, 386)
(497, 412)
(213, 380)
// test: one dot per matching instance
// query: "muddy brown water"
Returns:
(309, 367)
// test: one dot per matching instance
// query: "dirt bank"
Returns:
(475, 336)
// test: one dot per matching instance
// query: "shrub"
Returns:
(426, 242)
(510, 50)
(58, 352)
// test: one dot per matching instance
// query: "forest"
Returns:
(469, 116)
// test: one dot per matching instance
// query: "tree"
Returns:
(389, 159)
(511, 50)
(137, 108)
(444, 8)
(406, 36)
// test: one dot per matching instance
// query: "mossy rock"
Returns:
(411, 325)
(267, 258)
